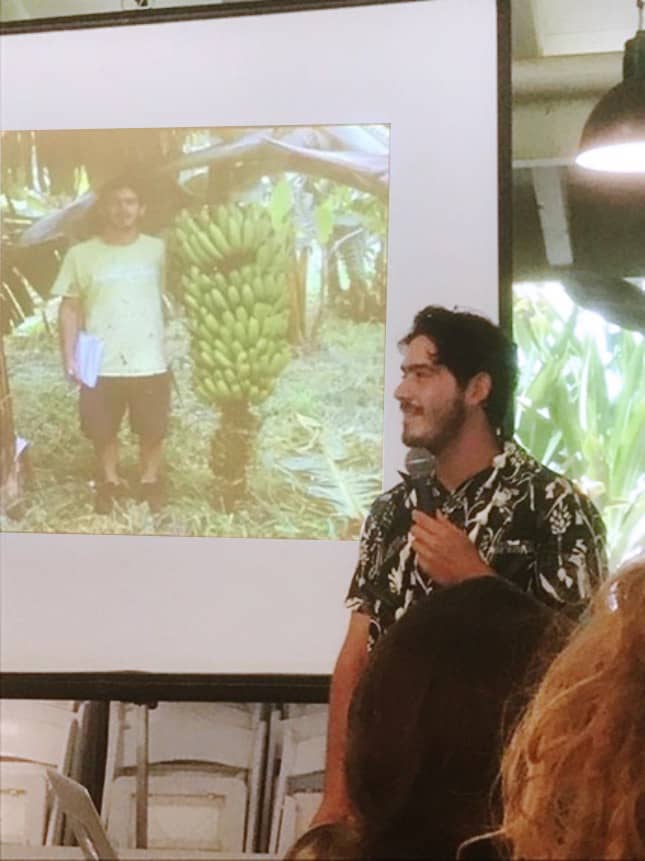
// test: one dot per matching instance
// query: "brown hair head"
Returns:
(332, 841)
(573, 772)
(430, 713)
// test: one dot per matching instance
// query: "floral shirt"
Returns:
(531, 525)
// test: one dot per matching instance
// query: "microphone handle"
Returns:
(425, 500)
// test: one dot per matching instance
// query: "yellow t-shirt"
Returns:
(120, 288)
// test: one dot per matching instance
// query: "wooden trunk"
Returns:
(10, 483)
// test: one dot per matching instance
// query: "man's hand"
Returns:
(444, 552)
(71, 372)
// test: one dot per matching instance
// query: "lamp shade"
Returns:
(613, 138)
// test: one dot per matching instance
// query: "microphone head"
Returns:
(419, 463)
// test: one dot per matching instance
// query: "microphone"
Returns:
(419, 464)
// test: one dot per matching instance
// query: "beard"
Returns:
(444, 428)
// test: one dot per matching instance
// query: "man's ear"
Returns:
(478, 389)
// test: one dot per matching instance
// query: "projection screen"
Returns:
(422, 78)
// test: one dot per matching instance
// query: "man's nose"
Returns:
(401, 391)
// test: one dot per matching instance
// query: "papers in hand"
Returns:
(87, 357)
(21, 445)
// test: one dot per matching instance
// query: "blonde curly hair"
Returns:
(573, 773)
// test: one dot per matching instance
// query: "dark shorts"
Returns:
(147, 400)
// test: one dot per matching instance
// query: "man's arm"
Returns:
(68, 286)
(571, 551)
(69, 317)
(349, 668)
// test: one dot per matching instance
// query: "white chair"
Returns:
(78, 807)
(298, 789)
(295, 710)
(24, 804)
(297, 812)
(34, 735)
(36, 731)
(203, 765)
(187, 810)
(273, 747)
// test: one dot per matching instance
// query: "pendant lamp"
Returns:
(613, 139)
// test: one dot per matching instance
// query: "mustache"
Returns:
(407, 406)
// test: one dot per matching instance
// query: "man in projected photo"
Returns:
(494, 510)
(111, 287)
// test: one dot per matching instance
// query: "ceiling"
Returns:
(566, 55)
(545, 28)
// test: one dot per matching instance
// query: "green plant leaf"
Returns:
(281, 203)
(578, 408)
(348, 491)
(324, 216)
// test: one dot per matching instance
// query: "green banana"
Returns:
(235, 229)
(236, 307)
(233, 296)
(247, 298)
(219, 239)
(248, 232)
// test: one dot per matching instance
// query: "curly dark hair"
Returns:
(468, 344)
(133, 181)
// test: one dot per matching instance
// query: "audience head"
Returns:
(428, 718)
(573, 774)
(330, 842)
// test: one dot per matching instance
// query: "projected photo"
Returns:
(193, 330)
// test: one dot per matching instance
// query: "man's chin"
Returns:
(413, 440)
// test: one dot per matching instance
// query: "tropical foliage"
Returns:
(316, 465)
(578, 406)
(275, 235)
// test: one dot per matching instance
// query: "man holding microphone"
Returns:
(491, 509)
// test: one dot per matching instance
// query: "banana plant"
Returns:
(234, 289)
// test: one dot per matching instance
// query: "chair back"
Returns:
(83, 817)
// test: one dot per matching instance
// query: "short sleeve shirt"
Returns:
(529, 524)
(120, 288)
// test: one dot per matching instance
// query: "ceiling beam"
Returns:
(524, 36)
(548, 131)
(565, 76)
(551, 197)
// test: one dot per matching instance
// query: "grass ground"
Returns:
(317, 464)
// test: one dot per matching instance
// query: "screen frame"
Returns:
(238, 9)
(153, 686)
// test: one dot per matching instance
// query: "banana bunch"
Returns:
(236, 301)
(227, 237)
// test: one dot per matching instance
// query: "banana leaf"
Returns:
(302, 150)
(349, 492)
(266, 155)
